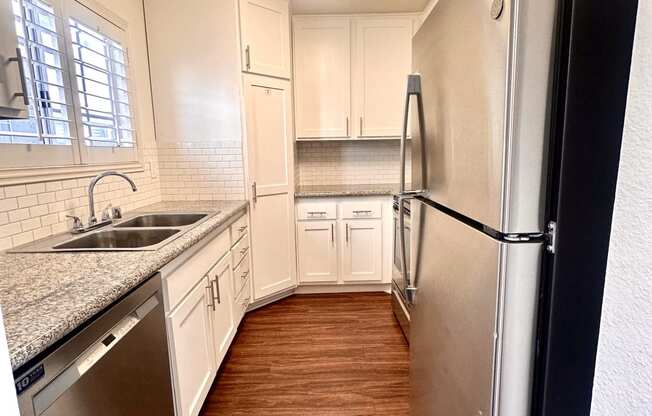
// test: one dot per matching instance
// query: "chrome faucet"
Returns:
(78, 226)
(92, 220)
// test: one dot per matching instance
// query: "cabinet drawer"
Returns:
(316, 211)
(240, 275)
(181, 280)
(360, 209)
(240, 250)
(238, 229)
(242, 302)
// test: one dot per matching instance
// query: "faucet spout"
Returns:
(91, 189)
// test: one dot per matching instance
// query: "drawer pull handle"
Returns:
(317, 213)
(367, 212)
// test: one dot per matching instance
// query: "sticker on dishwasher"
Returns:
(27, 380)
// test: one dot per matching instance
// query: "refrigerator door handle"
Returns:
(413, 89)
(410, 287)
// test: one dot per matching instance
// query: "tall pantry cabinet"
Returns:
(269, 144)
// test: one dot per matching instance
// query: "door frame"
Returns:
(588, 113)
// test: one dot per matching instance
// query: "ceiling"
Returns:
(356, 6)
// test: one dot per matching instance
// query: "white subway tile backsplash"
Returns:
(347, 162)
(208, 170)
(37, 210)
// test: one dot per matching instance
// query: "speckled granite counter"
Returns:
(47, 295)
(314, 191)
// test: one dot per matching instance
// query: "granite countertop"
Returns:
(313, 191)
(45, 296)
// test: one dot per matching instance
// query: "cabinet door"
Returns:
(317, 251)
(12, 100)
(192, 349)
(222, 307)
(361, 250)
(322, 82)
(265, 37)
(383, 59)
(271, 178)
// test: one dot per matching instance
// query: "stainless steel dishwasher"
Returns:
(117, 365)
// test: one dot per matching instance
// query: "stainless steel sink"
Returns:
(161, 220)
(137, 232)
(119, 239)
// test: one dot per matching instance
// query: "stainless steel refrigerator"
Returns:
(478, 108)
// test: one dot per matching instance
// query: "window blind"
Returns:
(101, 71)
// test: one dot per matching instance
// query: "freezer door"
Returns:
(473, 320)
(485, 84)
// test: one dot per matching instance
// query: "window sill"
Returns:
(55, 173)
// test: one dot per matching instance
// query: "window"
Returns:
(101, 74)
(81, 108)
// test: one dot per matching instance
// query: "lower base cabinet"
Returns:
(317, 245)
(344, 240)
(192, 353)
(204, 308)
(222, 322)
(362, 250)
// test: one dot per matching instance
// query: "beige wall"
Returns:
(196, 85)
(623, 370)
(38, 209)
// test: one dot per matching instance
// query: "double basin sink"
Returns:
(139, 233)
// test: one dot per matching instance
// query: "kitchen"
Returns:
(273, 207)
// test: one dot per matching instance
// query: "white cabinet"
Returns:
(382, 62)
(269, 144)
(222, 321)
(345, 240)
(13, 89)
(192, 351)
(322, 76)
(362, 250)
(317, 251)
(265, 37)
(202, 316)
(350, 74)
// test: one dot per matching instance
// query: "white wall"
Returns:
(426, 12)
(623, 377)
(196, 85)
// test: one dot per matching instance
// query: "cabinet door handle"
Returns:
(210, 287)
(347, 232)
(333, 234)
(218, 298)
(248, 57)
(347, 127)
(23, 80)
(254, 197)
(360, 125)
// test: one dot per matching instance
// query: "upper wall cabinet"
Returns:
(322, 76)
(382, 62)
(350, 74)
(265, 37)
(13, 87)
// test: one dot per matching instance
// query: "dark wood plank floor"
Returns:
(329, 355)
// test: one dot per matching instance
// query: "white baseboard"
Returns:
(315, 289)
(271, 299)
